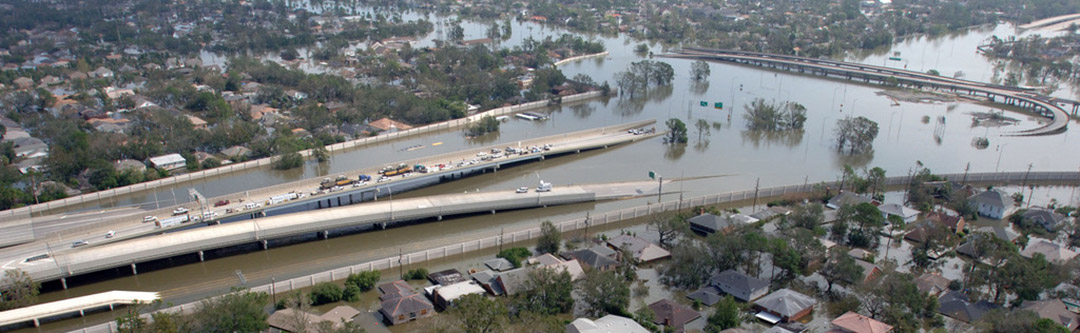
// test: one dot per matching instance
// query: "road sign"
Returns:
(719, 105)
(652, 174)
(894, 58)
(704, 103)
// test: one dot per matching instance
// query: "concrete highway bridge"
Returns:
(1043, 105)
(372, 215)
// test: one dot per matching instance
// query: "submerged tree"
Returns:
(855, 134)
(764, 116)
(699, 71)
(676, 131)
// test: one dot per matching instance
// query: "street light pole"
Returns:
(1001, 149)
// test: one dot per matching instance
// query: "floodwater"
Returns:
(742, 158)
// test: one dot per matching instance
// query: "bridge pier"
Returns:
(63, 282)
(265, 244)
(134, 270)
(339, 201)
(492, 212)
(82, 313)
(325, 234)
(201, 256)
(36, 323)
(439, 218)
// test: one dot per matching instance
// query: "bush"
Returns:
(514, 255)
(364, 280)
(416, 274)
(326, 292)
(352, 293)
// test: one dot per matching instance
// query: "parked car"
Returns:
(149, 218)
(221, 203)
(79, 243)
(110, 234)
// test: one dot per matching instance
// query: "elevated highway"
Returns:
(372, 215)
(1042, 105)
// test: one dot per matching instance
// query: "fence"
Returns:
(581, 223)
(91, 197)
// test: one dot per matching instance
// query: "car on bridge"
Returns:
(523, 189)
(179, 211)
(79, 243)
(150, 218)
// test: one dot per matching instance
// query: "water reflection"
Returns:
(675, 151)
(768, 138)
(483, 139)
(856, 161)
(628, 107)
(702, 145)
(583, 111)
(699, 87)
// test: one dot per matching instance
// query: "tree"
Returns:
(689, 266)
(856, 134)
(289, 54)
(239, 311)
(1016, 320)
(699, 71)
(676, 131)
(702, 126)
(669, 228)
(547, 292)
(320, 153)
(457, 33)
(842, 269)
(17, 289)
(604, 293)
(514, 255)
(364, 280)
(479, 314)
(326, 292)
(485, 125)
(550, 239)
(728, 314)
(352, 293)
(807, 216)
(764, 116)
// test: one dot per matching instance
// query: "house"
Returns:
(168, 162)
(447, 277)
(489, 281)
(23, 83)
(30, 147)
(499, 264)
(892, 209)
(101, 73)
(606, 324)
(784, 305)
(289, 320)
(709, 223)
(196, 122)
(386, 124)
(847, 198)
(770, 213)
(476, 42)
(129, 164)
(401, 304)
(741, 286)
(870, 270)
(78, 76)
(1003, 232)
(1044, 217)
(851, 322)
(933, 284)
(670, 314)
(1052, 251)
(513, 281)
(1056, 310)
(296, 94)
(444, 296)
(707, 295)
(993, 203)
(954, 223)
(641, 250)
(957, 306)
(236, 151)
(597, 257)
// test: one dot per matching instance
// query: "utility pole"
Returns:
(756, 184)
(587, 218)
(401, 267)
(966, 173)
(1026, 177)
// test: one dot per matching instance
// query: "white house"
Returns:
(168, 162)
(993, 203)
(908, 214)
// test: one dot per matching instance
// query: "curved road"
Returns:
(1059, 119)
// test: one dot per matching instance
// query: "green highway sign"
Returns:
(719, 105)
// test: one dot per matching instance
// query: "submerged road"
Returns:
(1043, 105)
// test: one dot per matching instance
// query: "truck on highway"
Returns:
(282, 198)
(544, 187)
(401, 169)
(420, 168)
(339, 181)
(171, 222)
(363, 178)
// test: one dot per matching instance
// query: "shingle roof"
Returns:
(786, 302)
(405, 305)
(711, 222)
(737, 282)
(499, 264)
(641, 249)
(707, 295)
(1053, 251)
(858, 323)
(591, 258)
(932, 283)
(898, 210)
(669, 313)
(395, 289)
(1043, 215)
(1054, 309)
(993, 197)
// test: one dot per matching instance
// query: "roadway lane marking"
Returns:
(5, 266)
(436, 144)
